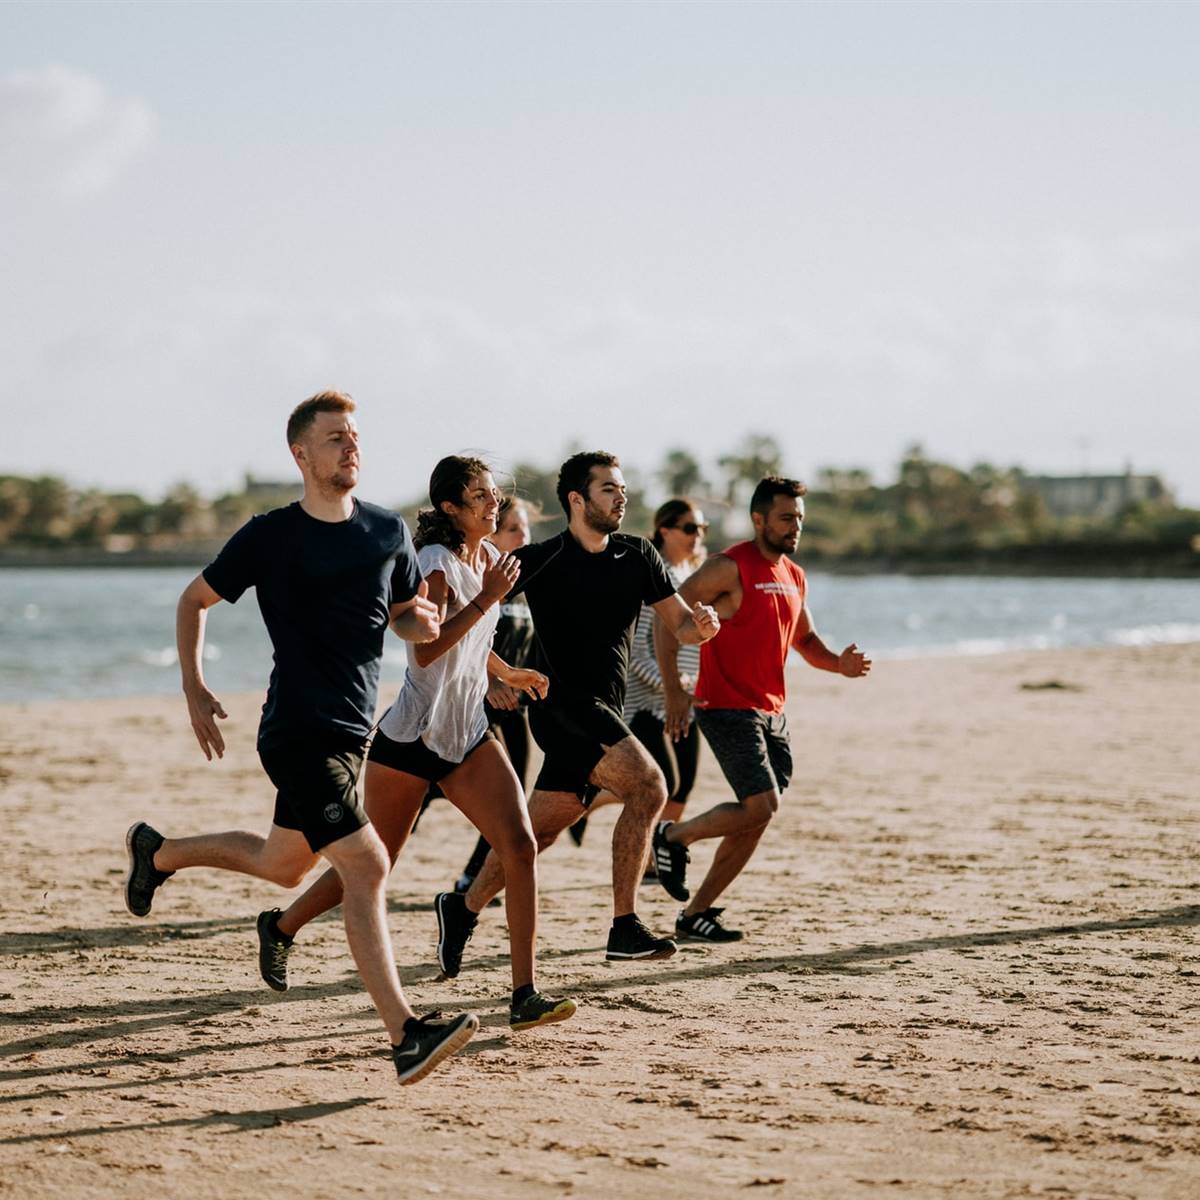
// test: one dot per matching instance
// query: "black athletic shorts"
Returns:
(316, 781)
(752, 747)
(416, 758)
(573, 738)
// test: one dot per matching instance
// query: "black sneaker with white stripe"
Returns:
(705, 927)
(428, 1040)
(629, 938)
(671, 860)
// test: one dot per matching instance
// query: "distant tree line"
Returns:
(931, 514)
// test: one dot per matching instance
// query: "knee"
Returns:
(368, 871)
(649, 795)
(518, 851)
(288, 875)
(760, 810)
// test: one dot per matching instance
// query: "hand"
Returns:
(425, 620)
(501, 696)
(705, 618)
(533, 683)
(852, 663)
(498, 578)
(678, 705)
(203, 708)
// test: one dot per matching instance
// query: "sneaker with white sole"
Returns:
(630, 939)
(430, 1039)
(705, 927)
(671, 861)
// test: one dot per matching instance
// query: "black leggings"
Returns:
(676, 760)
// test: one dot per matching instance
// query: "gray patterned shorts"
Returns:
(752, 747)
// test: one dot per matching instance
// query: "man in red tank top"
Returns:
(760, 597)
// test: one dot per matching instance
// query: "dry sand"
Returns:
(970, 970)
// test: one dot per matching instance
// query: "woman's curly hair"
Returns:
(448, 482)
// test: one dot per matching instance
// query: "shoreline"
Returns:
(390, 685)
(1100, 567)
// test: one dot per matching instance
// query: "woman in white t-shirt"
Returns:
(436, 731)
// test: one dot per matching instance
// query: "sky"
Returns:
(527, 228)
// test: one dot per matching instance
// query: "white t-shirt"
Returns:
(442, 704)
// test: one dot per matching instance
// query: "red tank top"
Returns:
(742, 667)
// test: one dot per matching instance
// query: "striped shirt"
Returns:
(644, 692)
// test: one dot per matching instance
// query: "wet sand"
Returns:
(971, 970)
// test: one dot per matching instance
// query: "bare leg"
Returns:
(362, 863)
(732, 855)
(628, 771)
(392, 800)
(722, 820)
(486, 790)
(740, 825)
(283, 856)
(549, 814)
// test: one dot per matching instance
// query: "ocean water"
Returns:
(78, 633)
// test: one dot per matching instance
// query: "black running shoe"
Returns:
(631, 939)
(671, 860)
(705, 927)
(456, 923)
(273, 951)
(428, 1040)
(144, 878)
(539, 1010)
(578, 830)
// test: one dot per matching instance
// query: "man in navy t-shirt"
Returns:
(331, 575)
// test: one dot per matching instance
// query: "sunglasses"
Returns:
(691, 528)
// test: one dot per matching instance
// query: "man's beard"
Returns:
(779, 545)
(340, 481)
(598, 521)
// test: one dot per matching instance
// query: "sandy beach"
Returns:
(971, 970)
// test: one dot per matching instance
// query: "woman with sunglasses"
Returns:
(436, 731)
(679, 529)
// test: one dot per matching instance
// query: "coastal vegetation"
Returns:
(931, 516)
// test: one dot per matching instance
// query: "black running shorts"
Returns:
(752, 747)
(416, 758)
(316, 777)
(573, 738)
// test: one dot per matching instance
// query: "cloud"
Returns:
(63, 129)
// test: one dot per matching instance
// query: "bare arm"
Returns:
(703, 589)
(519, 679)
(807, 643)
(688, 626)
(498, 579)
(203, 707)
(415, 620)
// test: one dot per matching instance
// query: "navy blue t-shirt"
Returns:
(325, 589)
